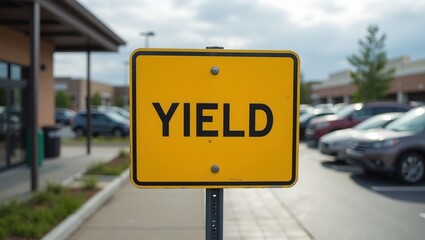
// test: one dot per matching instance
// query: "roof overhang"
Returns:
(65, 24)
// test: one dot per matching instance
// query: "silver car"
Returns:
(335, 143)
(398, 149)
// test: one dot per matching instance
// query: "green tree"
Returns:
(371, 76)
(119, 101)
(304, 91)
(96, 99)
(62, 99)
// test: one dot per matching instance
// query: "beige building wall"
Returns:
(72, 88)
(77, 89)
(15, 48)
(408, 83)
(122, 92)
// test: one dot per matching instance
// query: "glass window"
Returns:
(102, 119)
(3, 70)
(412, 121)
(345, 111)
(363, 113)
(15, 72)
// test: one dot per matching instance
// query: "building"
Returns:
(31, 31)
(77, 88)
(408, 84)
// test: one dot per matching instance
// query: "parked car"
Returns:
(398, 149)
(105, 123)
(310, 115)
(335, 143)
(304, 108)
(349, 116)
(64, 115)
(121, 111)
(324, 106)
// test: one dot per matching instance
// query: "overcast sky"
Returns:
(322, 32)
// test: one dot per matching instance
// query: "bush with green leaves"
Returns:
(35, 217)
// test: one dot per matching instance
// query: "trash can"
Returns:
(52, 141)
(40, 148)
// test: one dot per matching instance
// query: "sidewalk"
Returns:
(15, 183)
(179, 214)
(160, 214)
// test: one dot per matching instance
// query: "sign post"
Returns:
(214, 214)
(214, 119)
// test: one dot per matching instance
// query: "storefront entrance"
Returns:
(12, 133)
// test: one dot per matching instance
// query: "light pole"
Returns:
(125, 72)
(147, 35)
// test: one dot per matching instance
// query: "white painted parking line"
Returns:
(398, 189)
(422, 215)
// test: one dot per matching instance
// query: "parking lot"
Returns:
(338, 201)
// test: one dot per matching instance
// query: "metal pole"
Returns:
(88, 105)
(147, 41)
(214, 206)
(147, 35)
(35, 53)
(214, 214)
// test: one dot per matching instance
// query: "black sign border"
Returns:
(212, 53)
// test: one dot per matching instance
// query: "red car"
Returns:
(348, 117)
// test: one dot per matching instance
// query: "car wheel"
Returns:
(80, 132)
(411, 167)
(117, 132)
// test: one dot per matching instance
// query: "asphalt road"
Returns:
(337, 201)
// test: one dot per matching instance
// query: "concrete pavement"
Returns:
(164, 214)
(158, 214)
(15, 183)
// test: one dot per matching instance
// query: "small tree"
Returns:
(96, 99)
(371, 76)
(119, 101)
(62, 99)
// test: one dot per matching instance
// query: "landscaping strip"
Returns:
(72, 222)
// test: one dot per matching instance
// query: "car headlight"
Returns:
(322, 125)
(386, 143)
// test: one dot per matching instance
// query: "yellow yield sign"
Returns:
(213, 118)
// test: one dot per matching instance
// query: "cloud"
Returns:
(323, 33)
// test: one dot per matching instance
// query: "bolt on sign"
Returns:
(214, 118)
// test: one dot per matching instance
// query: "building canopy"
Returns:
(66, 24)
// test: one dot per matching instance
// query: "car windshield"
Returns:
(374, 122)
(412, 121)
(306, 116)
(345, 111)
(123, 113)
(115, 116)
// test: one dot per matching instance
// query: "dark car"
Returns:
(398, 149)
(64, 115)
(349, 116)
(106, 123)
(310, 115)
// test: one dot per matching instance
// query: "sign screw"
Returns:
(215, 168)
(215, 70)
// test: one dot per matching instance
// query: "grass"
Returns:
(114, 167)
(35, 217)
(89, 183)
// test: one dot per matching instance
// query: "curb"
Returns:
(73, 221)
